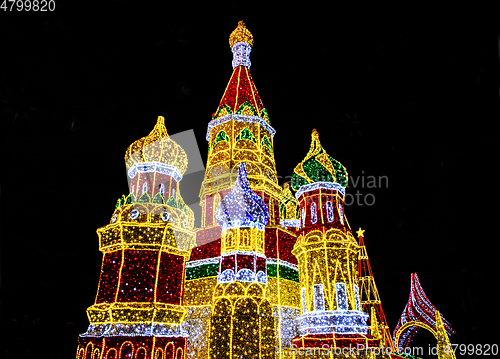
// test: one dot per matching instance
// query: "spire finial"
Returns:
(241, 34)
(159, 131)
(315, 134)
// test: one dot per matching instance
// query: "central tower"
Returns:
(240, 130)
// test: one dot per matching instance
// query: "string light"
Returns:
(419, 309)
(138, 306)
(268, 271)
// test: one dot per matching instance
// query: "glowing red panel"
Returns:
(108, 281)
(170, 279)
(138, 276)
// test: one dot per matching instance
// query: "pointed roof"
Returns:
(369, 295)
(418, 309)
(241, 95)
(242, 207)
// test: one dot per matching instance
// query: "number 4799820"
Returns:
(28, 5)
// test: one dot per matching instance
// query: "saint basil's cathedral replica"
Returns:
(273, 272)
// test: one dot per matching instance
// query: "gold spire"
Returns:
(159, 131)
(241, 34)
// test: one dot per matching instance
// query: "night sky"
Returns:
(407, 93)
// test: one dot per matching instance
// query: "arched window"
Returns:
(144, 187)
(318, 296)
(173, 192)
(314, 215)
(303, 216)
(221, 136)
(162, 189)
(341, 296)
(329, 211)
(246, 134)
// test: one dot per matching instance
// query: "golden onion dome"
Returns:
(241, 34)
(157, 147)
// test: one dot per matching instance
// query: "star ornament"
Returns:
(360, 232)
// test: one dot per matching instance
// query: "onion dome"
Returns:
(241, 34)
(157, 148)
(242, 207)
(318, 166)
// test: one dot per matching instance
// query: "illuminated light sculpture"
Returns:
(270, 270)
(242, 322)
(369, 296)
(138, 309)
(327, 253)
(240, 132)
(420, 313)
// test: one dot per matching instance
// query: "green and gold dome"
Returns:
(318, 166)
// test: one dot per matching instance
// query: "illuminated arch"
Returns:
(124, 347)
(142, 350)
(420, 313)
(88, 351)
(159, 353)
(410, 325)
(169, 350)
(112, 351)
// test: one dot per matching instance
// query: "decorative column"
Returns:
(242, 322)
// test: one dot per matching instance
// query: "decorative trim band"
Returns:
(319, 185)
(200, 262)
(241, 54)
(333, 321)
(282, 263)
(290, 223)
(147, 167)
(248, 253)
(239, 118)
(132, 330)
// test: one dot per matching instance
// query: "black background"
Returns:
(403, 91)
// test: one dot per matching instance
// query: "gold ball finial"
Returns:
(241, 34)
(315, 134)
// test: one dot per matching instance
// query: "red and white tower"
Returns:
(138, 310)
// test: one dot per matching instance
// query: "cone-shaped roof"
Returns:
(241, 95)
(242, 207)
(418, 309)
